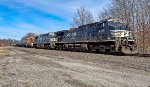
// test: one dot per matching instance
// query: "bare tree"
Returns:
(82, 16)
(6, 42)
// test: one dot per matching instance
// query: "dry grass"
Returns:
(4, 52)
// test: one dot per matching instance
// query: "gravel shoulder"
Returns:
(29, 67)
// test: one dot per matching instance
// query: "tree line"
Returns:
(7, 42)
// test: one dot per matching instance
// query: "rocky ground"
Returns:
(29, 67)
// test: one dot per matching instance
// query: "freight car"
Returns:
(106, 36)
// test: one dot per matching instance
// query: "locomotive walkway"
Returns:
(29, 67)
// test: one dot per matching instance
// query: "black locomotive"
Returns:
(106, 36)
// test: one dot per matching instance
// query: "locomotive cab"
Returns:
(122, 35)
(115, 36)
(119, 29)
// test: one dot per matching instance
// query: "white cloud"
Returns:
(9, 32)
(19, 31)
(62, 8)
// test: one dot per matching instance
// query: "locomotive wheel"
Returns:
(88, 48)
(97, 51)
(128, 50)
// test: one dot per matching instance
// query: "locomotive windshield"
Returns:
(114, 24)
(118, 28)
(117, 25)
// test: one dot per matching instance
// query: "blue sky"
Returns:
(18, 17)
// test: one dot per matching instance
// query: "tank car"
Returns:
(105, 36)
